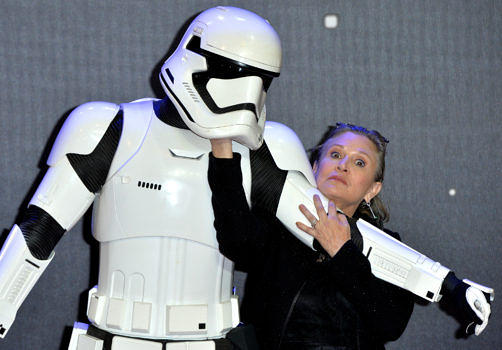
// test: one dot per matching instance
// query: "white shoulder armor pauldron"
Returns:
(287, 150)
(83, 129)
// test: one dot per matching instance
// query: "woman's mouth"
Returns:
(337, 178)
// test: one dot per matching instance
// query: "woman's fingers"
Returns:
(306, 229)
(342, 219)
(310, 217)
(332, 209)
(321, 212)
(331, 231)
(335, 214)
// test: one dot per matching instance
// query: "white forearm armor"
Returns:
(19, 271)
(396, 263)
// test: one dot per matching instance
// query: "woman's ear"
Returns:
(373, 191)
(314, 167)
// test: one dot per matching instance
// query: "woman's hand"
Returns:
(221, 148)
(332, 230)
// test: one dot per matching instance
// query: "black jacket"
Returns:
(294, 296)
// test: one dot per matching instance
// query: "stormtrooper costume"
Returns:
(162, 282)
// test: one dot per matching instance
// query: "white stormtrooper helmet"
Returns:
(219, 75)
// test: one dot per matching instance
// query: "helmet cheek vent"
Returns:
(190, 91)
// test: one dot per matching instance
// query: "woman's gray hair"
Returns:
(380, 143)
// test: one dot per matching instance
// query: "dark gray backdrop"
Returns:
(427, 74)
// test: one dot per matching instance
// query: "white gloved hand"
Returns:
(477, 300)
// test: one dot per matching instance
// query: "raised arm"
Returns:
(242, 236)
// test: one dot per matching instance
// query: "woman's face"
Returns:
(345, 172)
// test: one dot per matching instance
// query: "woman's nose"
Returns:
(342, 164)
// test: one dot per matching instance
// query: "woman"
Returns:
(298, 298)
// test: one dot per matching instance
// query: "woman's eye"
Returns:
(360, 163)
(335, 155)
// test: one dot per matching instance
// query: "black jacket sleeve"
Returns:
(241, 235)
(384, 308)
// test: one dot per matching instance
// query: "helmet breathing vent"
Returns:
(192, 94)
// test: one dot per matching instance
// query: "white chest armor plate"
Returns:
(161, 274)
